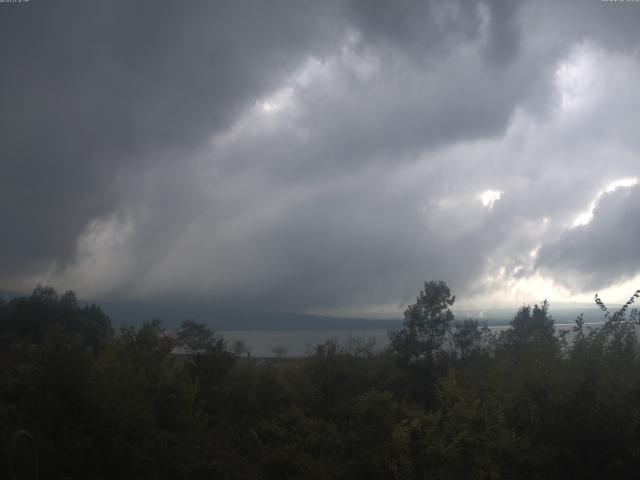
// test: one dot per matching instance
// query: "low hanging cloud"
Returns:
(325, 157)
(605, 251)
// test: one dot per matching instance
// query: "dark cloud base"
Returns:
(135, 159)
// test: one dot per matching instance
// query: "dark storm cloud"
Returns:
(602, 252)
(613, 24)
(504, 30)
(434, 80)
(428, 29)
(90, 88)
(324, 156)
(416, 27)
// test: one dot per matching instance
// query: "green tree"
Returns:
(426, 323)
(467, 337)
(208, 361)
(532, 324)
(36, 316)
(419, 344)
(194, 337)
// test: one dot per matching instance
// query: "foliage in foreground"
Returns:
(445, 400)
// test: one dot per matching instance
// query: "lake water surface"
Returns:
(296, 342)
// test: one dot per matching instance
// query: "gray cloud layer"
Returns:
(91, 88)
(322, 156)
(602, 252)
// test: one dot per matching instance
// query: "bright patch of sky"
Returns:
(490, 197)
(585, 217)
(575, 77)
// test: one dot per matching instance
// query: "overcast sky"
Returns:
(325, 156)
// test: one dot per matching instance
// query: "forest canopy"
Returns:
(446, 399)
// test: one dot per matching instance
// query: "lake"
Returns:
(261, 342)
